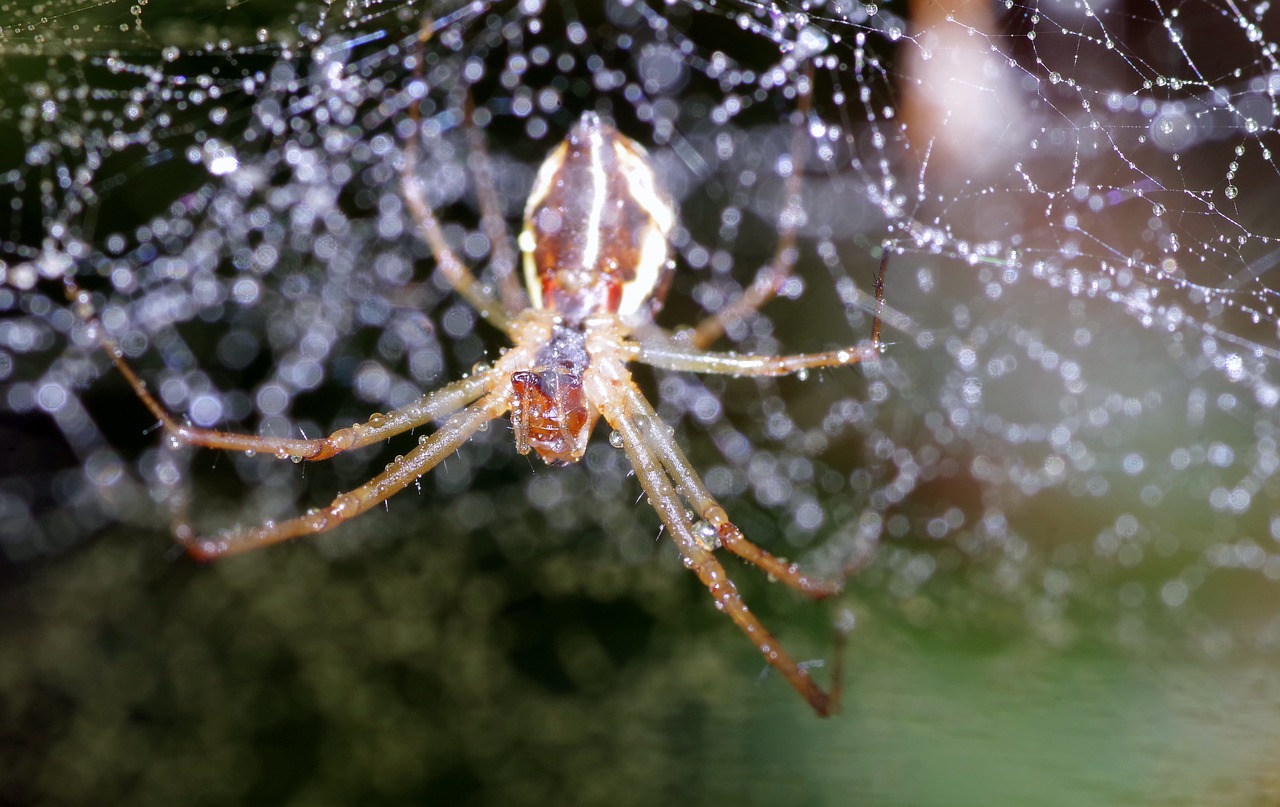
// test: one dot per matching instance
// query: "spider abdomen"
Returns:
(596, 227)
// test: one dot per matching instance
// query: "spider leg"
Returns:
(503, 257)
(675, 354)
(610, 399)
(443, 401)
(457, 273)
(691, 487)
(450, 265)
(398, 475)
(769, 279)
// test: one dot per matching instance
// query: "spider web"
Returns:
(1070, 437)
(1073, 428)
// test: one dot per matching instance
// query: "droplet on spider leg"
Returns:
(846, 620)
(706, 534)
(615, 439)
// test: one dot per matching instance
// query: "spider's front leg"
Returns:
(438, 404)
(607, 386)
(660, 438)
(398, 475)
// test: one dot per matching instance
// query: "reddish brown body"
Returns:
(595, 242)
(596, 227)
(550, 413)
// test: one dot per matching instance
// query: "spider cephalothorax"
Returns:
(596, 257)
(549, 412)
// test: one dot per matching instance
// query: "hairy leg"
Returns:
(660, 438)
(675, 356)
(455, 271)
(431, 407)
(610, 399)
(448, 263)
(398, 475)
(657, 349)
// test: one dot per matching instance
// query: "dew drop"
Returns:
(706, 534)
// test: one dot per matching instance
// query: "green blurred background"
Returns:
(432, 669)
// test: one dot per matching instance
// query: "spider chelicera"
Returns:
(595, 247)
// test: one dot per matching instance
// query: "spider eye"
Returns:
(596, 225)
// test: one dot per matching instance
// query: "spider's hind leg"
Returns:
(770, 278)
(502, 257)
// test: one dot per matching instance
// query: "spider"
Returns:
(596, 262)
